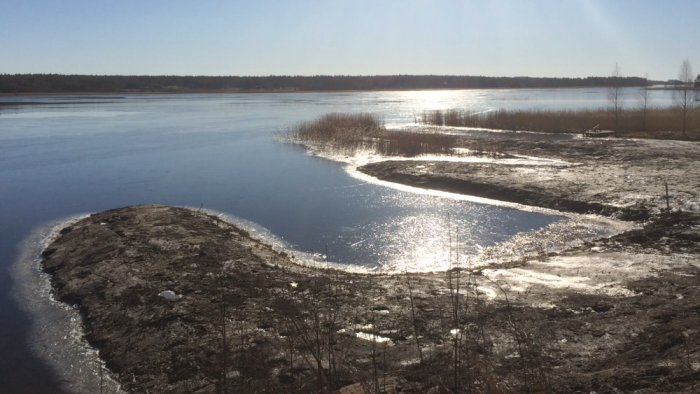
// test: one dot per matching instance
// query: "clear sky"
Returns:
(559, 38)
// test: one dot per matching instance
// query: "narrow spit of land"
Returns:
(625, 178)
(180, 301)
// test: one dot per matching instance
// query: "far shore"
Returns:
(277, 83)
(290, 90)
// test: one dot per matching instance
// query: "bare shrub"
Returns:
(615, 95)
(683, 96)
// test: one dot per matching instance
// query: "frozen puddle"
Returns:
(520, 280)
(372, 337)
(599, 273)
(360, 331)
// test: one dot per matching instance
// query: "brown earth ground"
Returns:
(242, 317)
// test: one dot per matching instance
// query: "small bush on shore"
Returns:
(649, 123)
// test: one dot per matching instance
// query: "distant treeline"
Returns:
(56, 83)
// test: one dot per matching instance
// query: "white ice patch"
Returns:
(489, 292)
(530, 277)
(170, 295)
(372, 337)
(602, 273)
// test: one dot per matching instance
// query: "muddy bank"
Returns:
(180, 301)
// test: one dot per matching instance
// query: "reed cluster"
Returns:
(648, 123)
(349, 133)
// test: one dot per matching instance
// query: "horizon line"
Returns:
(315, 75)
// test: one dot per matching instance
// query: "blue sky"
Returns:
(559, 38)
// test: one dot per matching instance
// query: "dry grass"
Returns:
(349, 133)
(340, 131)
(652, 123)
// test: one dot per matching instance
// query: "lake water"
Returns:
(65, 156)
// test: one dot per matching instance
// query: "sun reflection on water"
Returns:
(444, 234)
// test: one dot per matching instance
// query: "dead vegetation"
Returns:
(662, 123)
(349, 133)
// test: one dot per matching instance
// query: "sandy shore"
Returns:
(180, 301)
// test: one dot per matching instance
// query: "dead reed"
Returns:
(350, 133)
(642, 123)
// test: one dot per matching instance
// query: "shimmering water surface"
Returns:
(64, 156)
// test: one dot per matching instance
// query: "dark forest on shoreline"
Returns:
(58, 83)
